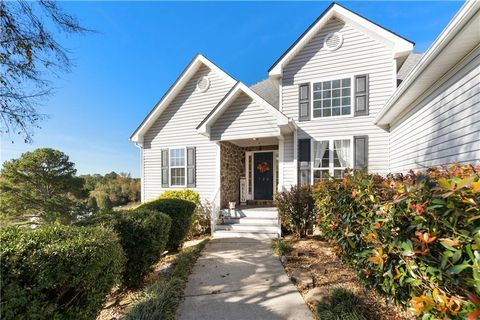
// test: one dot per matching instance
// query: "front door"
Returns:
(263, 176)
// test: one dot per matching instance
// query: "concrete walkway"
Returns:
(240, 279)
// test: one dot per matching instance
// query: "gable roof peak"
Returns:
(400, 45)
(197, 61)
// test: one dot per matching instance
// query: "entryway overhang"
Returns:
(243, 114)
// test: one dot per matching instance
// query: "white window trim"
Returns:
(174, 167)
(331, 166)
(352, 92)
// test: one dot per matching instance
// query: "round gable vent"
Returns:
(333, 41)
(202, 84)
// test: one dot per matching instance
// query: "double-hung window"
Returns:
(332, 98)
(177, 167)
(330, 158)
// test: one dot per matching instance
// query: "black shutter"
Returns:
(361, 95)
(191, 162)
(304, 155)
(165, 168)
(360, 153)
(304, 102)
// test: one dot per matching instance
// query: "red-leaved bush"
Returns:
(415, 237)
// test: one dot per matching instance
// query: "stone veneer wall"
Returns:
(232, 168)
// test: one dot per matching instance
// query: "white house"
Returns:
(346, 94)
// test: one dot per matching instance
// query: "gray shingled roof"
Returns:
(408, 65)
(267, 90)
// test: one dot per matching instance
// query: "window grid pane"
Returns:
(177, 157)
(177, 177)
(332, 98)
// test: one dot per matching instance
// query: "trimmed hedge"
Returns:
(181, 213)
(143, 235)
(201, 217)
(57, 271)
(415, 237)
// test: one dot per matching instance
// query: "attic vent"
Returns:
(202, 84)
(333, 41)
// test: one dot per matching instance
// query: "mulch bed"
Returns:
(319, 258)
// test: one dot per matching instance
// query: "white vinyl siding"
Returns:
(176, 127)
(289, 166)
(359, 54)
(244, 118)
(442, 128)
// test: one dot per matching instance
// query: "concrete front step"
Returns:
(251, 221)
(247, 228)
(256, 214)
(231, 234)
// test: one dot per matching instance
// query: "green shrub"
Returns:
(143, 235)
(103, 202)
(184, 194)
(280, 247)
(343, 305)
(161, 299)
(296, 208)
(415, 237)
(181, 212)
(57, 272)
(201, 216)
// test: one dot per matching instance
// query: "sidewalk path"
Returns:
(240, 279)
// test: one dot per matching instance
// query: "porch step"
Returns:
(231, 234)
(247, 228)
(265, 203)
(267, 213)
(250, 221)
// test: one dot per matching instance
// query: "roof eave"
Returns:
(400, 45)
(188, 72)
(395, 105)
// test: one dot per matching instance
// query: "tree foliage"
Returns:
(29, 52)
(112, 189)
(42, 184)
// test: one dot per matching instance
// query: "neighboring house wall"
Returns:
(176, 126)
(443, 127)
(359, 54)
(244, 118)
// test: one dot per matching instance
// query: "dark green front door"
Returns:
(263, 176)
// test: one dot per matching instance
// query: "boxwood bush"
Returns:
(181, 213)
(415, 237)
(143, 235)
(201, 216)
(57, 272)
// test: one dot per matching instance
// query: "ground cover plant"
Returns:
(342, 305)
(415, 237)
